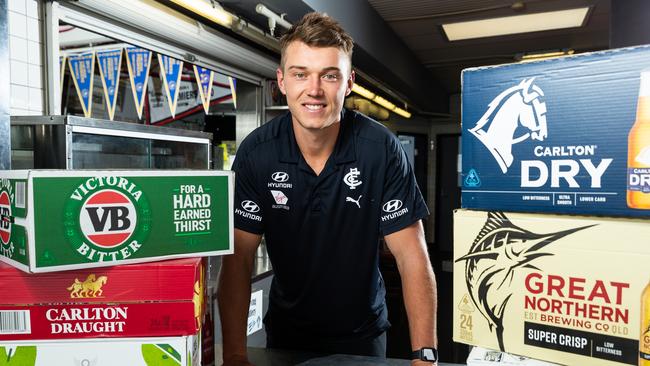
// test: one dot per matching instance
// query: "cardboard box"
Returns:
(173, 351)
(480, 356)
(563, 289)
(149, 299)
(60, 220)
(552, 135)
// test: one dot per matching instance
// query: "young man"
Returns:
(323, 184)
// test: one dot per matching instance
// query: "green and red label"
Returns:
(6, 196)
(113, 218)
(12, 206)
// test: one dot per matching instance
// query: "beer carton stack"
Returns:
(565, 143)
(79, 285)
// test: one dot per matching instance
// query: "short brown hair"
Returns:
(317, 30)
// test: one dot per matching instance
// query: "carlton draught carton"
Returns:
(564, 289)
(148, 299)
(566, 135)
(163, 351)
(59, 220)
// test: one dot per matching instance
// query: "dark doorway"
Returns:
(416, 148)
(447, 200)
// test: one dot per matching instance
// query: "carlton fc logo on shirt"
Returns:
(250, 210)
(394, 209)
(280, 180)
(351, 178)
(520, 106)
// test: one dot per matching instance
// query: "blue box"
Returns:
(552, 135)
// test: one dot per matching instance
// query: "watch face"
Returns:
(428, 354)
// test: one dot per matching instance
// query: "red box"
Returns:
(150, 299)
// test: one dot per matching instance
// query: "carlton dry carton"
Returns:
(638, 161)
(565, 135)
(59, 220)
(563, 289)
(148, 299)
(163, 351)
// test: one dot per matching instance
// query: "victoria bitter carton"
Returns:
(59, 220)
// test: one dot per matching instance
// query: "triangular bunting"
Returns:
(204, 78)
(81, 69)
(171, 70)
(110, 63)
(62, 60)
(233, 90)
(138, 61)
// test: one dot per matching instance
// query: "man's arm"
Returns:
(233, 294)
(418, 284)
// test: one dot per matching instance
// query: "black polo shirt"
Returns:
(322, 231)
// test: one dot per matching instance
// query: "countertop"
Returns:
(275, 357)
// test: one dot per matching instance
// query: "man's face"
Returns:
(315, 81)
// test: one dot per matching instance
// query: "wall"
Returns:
(5, 141)
(26, 61)
(629, 24)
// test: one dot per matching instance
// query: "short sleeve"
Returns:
(248, 209)
(402, 203)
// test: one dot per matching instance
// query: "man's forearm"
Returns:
(420, 300)
(233, 295)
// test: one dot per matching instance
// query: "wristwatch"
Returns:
(425, 354)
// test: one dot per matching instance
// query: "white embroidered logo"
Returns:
(351, 178)
(250, 206)
(280, 177)
(392, 206)
(350, 199)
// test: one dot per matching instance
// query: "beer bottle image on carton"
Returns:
(644, 336)
(638, 152)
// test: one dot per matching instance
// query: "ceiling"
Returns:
(401, 45)
(417, 23)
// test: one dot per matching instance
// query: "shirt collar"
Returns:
(344, 150)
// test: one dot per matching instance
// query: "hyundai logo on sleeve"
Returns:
(250, 206)
(394, 210)
(392, 206)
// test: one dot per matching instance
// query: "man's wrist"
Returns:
(425, 354)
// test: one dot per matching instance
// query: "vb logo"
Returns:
(108, 218)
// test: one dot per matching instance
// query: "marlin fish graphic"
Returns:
(497, 251)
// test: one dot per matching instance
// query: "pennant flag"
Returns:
(62, 67)
(81, 69)
(171, 70)
(138, 61)
(233, 90)
(109, 69)
(204, 78)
